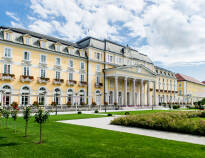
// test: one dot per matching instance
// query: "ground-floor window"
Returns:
(57, 96)
(7, 95)
(42, 96)
(82, 96)
(70, 96)
(111, 97)
(98, 96)
(25, 96)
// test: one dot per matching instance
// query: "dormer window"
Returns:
(58, 47)
(71, 50)
(43, 44)
(8, 36)
(27, 41)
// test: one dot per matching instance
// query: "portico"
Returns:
(136, 85)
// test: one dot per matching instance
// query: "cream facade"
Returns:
(36, 67)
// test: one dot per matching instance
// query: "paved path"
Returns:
(104, 123)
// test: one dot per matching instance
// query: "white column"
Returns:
(133, 90)
(154, 92)
(141, 93)
(116, 89)
(106, 89)
(148, 93)
(125, 91)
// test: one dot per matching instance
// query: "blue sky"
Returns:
(170, 32)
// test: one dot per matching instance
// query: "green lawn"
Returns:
(137, 112)
(72, 141)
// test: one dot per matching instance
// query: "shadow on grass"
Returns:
(8, 144)
(2, 137)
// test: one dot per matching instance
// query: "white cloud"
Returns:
(12, 15)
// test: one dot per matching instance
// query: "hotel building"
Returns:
(36, 67)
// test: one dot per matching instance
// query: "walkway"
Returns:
(104, 123)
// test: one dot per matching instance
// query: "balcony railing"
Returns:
(24, 78)
(71, 82)
(43, 80)
(58, 81)
(7, 77)
(98, 85)
(82, 83)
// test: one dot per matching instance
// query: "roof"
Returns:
(38, 35)
(182, 77)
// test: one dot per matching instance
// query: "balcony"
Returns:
(43, 80)
(24, 78)
(82, 83)
(98, 85)
(58, 81)
(7, 77)
(71, 82)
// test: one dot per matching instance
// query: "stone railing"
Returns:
(43, 80)
(24, 78)
(71, 82)
(58, 81)
(7, 77)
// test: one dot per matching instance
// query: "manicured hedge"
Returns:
(184, 122)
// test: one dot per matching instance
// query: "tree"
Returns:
(26, 116)
(6, 114)
(41, 117)
(14, 116)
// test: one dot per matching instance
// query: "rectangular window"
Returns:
(71, 51)
(43, 73)
(7, 68)
(58, 48)
(82, 66)
(58, 61)
(43, 44)
(58, 75)
(26, 71)
(43, 59)
(71, 63)
(7, 52)
(70, 76)
(27, 41)
(82, 77)
(98, 55)
(26, 55)
(97, 67)
(111, 58)
(98, 79)
(8, 36)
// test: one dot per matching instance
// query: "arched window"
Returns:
(98, 97)
(57, 96)
(7, 95)
(111, 97)
(82, 96)
(70, 96)
(25, 96)
(42, 96)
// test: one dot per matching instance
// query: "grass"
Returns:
(137, 112)
(72, 141)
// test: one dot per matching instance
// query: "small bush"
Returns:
(127, 113)
(94, 104)
(176, 106)
(96, 111)
(68, 104)
(109, 114)
(79, 112)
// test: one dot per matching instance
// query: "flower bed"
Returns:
(183, 122)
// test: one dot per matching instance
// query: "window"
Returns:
(98, 55)
(97, 67)
(43, 59)
(43, 44)
(180, 85)
(82, 66)
(41, 97)
(58, 75)
(25, 96)
(8, 36)
(111, 58)
(180, 92)
(26, 56)
(70, 95)
(58, 61)
(27, 41)
(98, 79)
(82, 77)
(26, 71)
(71, 51)
(7, 52)
(82, 95)
(7, 68)
(58, 48)
(71, 63)
(43, 73)
(57, 96)
(70, 76)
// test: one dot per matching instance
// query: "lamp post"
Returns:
(105, 100)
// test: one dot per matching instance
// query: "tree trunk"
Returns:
(40, 133)
(26, 128)
(15, 126)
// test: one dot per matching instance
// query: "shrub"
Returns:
(127, 113)
(106, 103)
(115, 103)
(35, 104)
(82, 103)
(176, 106)
(96, 111)
(79, 112)
(69, 104)
(94, 104)
(53, 104)
(14, 105)
(109, 114)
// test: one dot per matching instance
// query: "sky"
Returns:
(170, 32)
